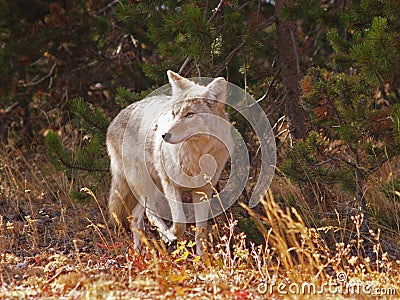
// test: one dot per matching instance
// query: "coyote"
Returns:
(161, 146)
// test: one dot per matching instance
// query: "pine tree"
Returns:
(88, 164)
(353, 102)
(199, 38)
(290, 62)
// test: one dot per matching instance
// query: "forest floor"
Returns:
(54, 248)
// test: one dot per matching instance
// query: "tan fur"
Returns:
(173, 128)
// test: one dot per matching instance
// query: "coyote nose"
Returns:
(166, 136)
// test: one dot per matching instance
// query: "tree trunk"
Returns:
(288, 49)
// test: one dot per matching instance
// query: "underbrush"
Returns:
(54, 248)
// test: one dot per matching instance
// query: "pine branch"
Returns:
(107, 7)
(94, 118)
(215, 11)
(187, 59)
(4, 112)
(36, 82)
(62, 158)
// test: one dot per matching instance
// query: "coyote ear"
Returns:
(218, 88)
(178, 83)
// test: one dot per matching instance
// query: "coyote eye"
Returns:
(189, 114)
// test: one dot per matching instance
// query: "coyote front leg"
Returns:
(138, 224)
(201, 210)
(174, 197)
(162, 228)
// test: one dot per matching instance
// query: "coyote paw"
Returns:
(168, 237)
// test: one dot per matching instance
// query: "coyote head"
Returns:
(199, 110)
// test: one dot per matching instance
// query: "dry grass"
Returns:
(53, 248)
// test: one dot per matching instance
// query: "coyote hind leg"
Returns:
(121, 202)
(137, 225)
